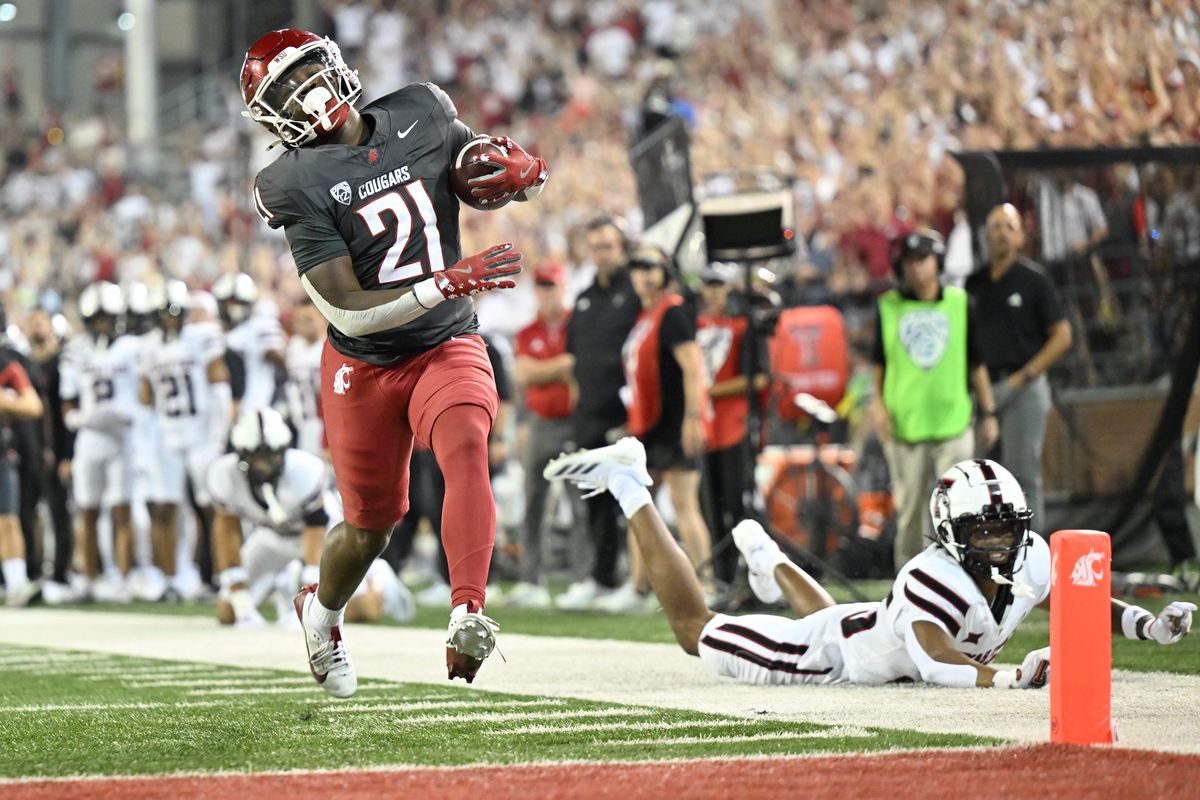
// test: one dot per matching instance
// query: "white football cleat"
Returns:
(328, 658)
(470, 639)
(590, 469)
(762, 555)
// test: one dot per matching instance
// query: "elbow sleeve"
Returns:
(384, 317)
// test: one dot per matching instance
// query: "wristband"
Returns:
(987, 412)
(1132, 618)
(427, 294)
(1004, 679)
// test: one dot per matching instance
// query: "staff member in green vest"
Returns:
(927, 362)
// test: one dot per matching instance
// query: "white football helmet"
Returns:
(980, 497)
(101, 306)
(236, 295)
(260, 439)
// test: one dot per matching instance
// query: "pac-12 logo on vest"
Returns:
(1087, 571)
(924, 335)
(341, 193)
(715, 343)
(341, 379)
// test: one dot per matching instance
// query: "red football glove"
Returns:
(518, 171)
(480, 272)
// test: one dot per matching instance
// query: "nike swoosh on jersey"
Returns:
(405, 132)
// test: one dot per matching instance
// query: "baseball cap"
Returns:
(550, 274)
(719, 272)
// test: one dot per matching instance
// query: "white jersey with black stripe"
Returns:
(300, 490)
(253, 339)
(933, 587)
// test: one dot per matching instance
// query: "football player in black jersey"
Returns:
(365, 199)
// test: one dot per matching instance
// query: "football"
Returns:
(473, 162)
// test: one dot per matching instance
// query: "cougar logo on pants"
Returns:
(1086, 571)
(341, 379)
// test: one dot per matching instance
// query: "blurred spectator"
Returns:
(45, 341)
(729, 462)
(927, 359)
(543, 370)
(668, 411)
(603, 316)
(1022, 333)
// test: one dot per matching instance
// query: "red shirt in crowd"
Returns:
(541, 340)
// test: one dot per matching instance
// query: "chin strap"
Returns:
(1018, 589)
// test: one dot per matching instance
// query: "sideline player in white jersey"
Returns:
(949, 613)
(186, 382)
(284, 494)
(254, 342)
(99, 388)
(304, 376)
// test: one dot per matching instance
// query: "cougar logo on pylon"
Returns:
(341, 379)
(1086, 571)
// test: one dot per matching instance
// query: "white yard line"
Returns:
(258, 690)
(599, 727)
(832, 733)
(210, 681)
(437, 705)
(1154, 710)
(58, 707)
(519, 716)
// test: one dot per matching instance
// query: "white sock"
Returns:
(460, 611)
(629, 491)
(15, 576)
(232, 576)
(321, 617)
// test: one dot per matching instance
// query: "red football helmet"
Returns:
(296, 83)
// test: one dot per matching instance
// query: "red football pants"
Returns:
(446, 399)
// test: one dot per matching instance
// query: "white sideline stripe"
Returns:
(517, 716)
(862, 733)
(111, 706)
(266, 680)
(391, 687)
(438, 704)
(626, 726)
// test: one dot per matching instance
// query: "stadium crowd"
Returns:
(856, 106)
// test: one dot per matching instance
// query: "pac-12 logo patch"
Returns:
(341, 193)
(924, 335)
(1087, 570)
(341, 379)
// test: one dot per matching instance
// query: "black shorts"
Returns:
(664, 449)
(10, 486)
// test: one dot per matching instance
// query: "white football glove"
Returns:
(1034, 672)
(1172, 623)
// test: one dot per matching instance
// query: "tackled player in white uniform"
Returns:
(949, 614)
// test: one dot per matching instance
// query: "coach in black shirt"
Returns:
(1023, 332)
(601, 320)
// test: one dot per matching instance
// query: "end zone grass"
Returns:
(78, 713)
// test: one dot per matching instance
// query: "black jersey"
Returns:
(387, 204)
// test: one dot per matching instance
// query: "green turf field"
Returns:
(78, 713)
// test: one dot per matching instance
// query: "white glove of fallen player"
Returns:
(1172, 623)
(1033, 673)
